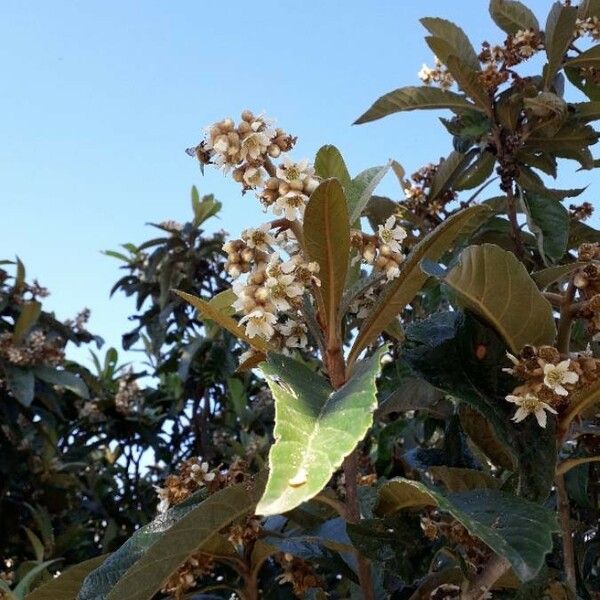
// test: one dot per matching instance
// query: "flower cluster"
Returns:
(550, 380)
(438, 75)
(299, 573)
(417, 194)
(588, 27)
(35, 349)
(185, 577)
(192, 475)
(129, 397)
(382, 251)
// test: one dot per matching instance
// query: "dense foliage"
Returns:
(408, 410)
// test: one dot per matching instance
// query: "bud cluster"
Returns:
(587, 281)
(129, 397)
(588, 27)
(186, 576)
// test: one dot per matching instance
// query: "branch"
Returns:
(564, 513)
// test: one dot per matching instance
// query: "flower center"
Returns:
(292, 173)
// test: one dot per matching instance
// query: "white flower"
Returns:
(258, 238)
(245, 297)
(291, 206)
(163, 499)
(556, 375)
(253, 177)
(392, 234)
(530, 404)
(294, 173)
(281, 289)
(392, 272)
(295, 334)
(200, 472)
(254, 145)
(514, 360)
(426, 74)
(259, 323)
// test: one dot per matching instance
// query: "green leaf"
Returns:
(205, 208)
(511, 16)
(330, 163)
(584, 82)
(587, 111)
(558, 35)
(476, 173)
(469, 82)
(454, 37)
(223, 319)
(223, 301)
(414, 98)
(20, 276)
(463, 357)
(30, 313)
(493, 284)
(570, 136)
(189, 534)
(64, 378)
(519, 530)
(316, 427)
(587, 59)
(327, 241)
(67, 585)
(447, 172)
(580, 233)
(456, 479)
(98, 584)
(547, 277)
(361, 188)
(402, 290)
(582, 402)
(548, 220)
(21, 383)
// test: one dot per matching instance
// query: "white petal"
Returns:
(542, 418)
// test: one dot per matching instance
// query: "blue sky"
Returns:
(100, 99)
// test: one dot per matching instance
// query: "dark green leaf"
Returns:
(413, 98)
(63, 378)
(457, 42)
(559, 32)
(511, 16)
(21, 383)
(519, 530)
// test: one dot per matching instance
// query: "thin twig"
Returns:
(564, 513)
(493, 570)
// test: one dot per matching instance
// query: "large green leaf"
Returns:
(402, 290)
(579, 233)
(587, 111)
(191, 533)
(67, 585)
(519, 530)
(98, 584)
(361, 189)
(548, 220)
(464, 358)
(413, 98)
(316, 427)
(454, 37)
(327, 241)
(493, 284)
(63, 378)
(330, 163)
(223, 319)
(559, 32)
(511, 16)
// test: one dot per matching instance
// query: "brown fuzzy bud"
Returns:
(549, 354)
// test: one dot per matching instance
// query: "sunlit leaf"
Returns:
(492, 283)
(330, 163)
(30, 313)
(315, 427)
(327, 240)
(361, 188)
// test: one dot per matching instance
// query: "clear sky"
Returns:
(100, 99)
